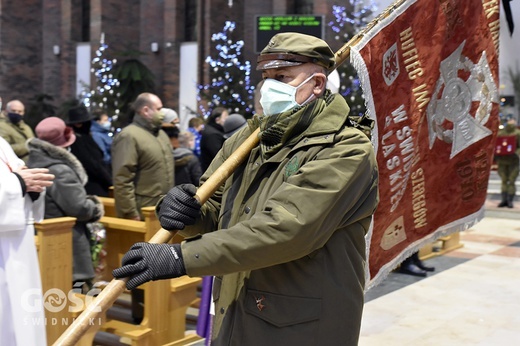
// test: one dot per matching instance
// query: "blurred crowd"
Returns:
(136, 165)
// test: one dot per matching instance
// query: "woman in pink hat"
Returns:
(67, 196)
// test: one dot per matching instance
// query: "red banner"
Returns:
(429, 71)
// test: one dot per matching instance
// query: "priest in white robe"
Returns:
(22, 319)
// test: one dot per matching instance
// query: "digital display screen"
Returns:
(269, 25)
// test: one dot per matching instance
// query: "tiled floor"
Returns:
(473, 298)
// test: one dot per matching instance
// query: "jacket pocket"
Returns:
(274, 319)
(280, 310)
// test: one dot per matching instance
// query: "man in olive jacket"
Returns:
(142, 161)
(289, 225)
(14, 130)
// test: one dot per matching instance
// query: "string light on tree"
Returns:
(102, 96)
(230, 85)
(348, 21)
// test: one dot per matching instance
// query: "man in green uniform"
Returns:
(508, 164)
(285, 235)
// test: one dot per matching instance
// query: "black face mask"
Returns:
(15, 118)
(84, 129)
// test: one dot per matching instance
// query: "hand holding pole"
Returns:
(109, 294)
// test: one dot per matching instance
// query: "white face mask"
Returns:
(106, 125)
(278, 97)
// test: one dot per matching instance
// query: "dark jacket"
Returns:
(290, 248)
(210, 143)
(91, 157)
(187, 167)
(67, 197)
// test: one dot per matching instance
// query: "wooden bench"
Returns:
(109, 205)
(166, 301)
(53, 242)
(441, 246)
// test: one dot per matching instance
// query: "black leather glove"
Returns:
(179, 208)
(146, 262)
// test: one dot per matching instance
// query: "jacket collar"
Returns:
(18, 127)
(331, 120)
(58, 154)
(145, 124)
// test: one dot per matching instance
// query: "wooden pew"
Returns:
(53, 242)
(166, 301)
(109, 205)
(441, 246)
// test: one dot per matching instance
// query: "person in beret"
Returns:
(233, 123)
(171, 118)
(285, 235)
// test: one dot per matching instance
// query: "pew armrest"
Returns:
(123, 224)
(183, 283)
(126, 330)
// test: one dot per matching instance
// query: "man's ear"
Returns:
(144, 111)
(321, 84)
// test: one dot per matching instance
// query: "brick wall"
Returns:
(31, 28)
(20, 50)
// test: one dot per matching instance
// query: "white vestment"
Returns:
(22, 320)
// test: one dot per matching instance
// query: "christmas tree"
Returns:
(230, 85)
(103, 94)
(348, 21)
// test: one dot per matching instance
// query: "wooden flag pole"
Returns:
(113, 290)
(344, 52)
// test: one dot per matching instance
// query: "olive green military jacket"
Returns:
(290, 255)
(142, 167)
(16, 136)
(509, 130)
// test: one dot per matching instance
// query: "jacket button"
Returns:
(197, 255)
(222, 310)
(247, 210)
